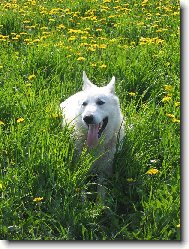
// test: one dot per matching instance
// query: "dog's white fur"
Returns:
(86, 102)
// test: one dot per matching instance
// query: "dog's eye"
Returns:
(100, 102)
(84, 103)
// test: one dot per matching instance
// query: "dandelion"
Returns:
(20, 120)
(132, 94)
(81, 59)
(72, 38)
(51, 20)
(178, 226)
(61, 26)
(56, 115)
(31, 77)
(44, 28)
(152, 171)
(102, 46)
(177, 104)
(30, 27)
(91, 49)
(23, 33)
(83, 37)
(169, 115)
(166, 99)
(176, 120)
(26, 21)
(38, 199)
(45, 33)
(15, 38)
(168, 87)
(103, 66)
(2, 123)
(27, 40)
(36, 40)
(144, 2)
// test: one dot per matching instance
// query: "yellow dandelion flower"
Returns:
(176, 120)
(15, 38)
(98, 29)
(26, 21)
(20, 120)
(31, 77)
(38, 199)
(56, 115)
(72, 38)
(103, 66)
(169, 115)
(45, 33)
(83, 37)
(91, 49)
(2, 123)
(144, 2)
(36, 40)
(23, 33)
(178, 226)
(166, 99)
(1, 66)
(4, 37)
(152, 171)
(61, 26)
(102, 46)
(81, 59)
(177, 103)
(30, 27)
(44, 28)
(168, 87)
(27, 40)
(132, 94)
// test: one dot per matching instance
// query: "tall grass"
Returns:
(46, 194)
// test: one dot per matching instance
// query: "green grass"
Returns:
(45, 46)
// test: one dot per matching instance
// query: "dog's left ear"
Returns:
(111, 85)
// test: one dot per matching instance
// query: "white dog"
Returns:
(95, 115)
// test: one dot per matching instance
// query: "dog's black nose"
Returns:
(88, 119)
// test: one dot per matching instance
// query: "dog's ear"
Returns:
(86, 82)
(111, 85)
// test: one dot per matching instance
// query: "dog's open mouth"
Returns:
(102, 126)
(95, 131)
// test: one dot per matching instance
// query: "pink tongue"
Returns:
(92, 137)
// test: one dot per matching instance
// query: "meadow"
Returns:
(45, 45)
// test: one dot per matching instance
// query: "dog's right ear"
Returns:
(86, 82)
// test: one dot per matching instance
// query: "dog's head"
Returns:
(99, 107)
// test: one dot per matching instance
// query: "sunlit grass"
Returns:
(46, 193)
